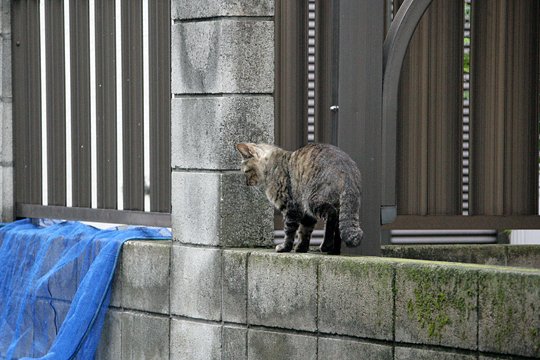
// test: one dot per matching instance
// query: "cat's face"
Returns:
(254, 159)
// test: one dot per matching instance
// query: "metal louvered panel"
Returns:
(430, 116)
(504, 107)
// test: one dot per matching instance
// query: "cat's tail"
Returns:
(349, 218)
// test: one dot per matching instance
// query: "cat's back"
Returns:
(323, 163)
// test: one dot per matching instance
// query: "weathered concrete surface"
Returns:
(110, 346)
(509, 302)
(235, 286)
(145, 275)
(436, 303)
(144, 336)
(195, 341)
(225, 120)
(265, 345)
(234, 345)
(186, 9)
(406, 353)
(222, 56)
(477, 254)
(219, 209)
(356, 297)
(196, 282)
(331, 349)
(524, 256)
(282, 290)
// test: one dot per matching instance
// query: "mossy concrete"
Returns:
(527, 256)
(235, 286)
(332, 348)
(356, 297)
(194, 341)
(266, 345)
(408, 353)
(234, 344)
(510, 312)
(436, 304)
(282, 290)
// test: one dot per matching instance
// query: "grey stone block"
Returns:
(247, 217)
(235, 285)
(223, 56)
(195, 341)
(356, 297)
(144, 336)
(6, 66)
(185, 9)
(110, 345)
(331, 349)
(6, 136)
(265, 345)
(145, 275)
(282, 290)
(205, 129)
(234, 343)
(403, 353)
(6, 193)
(436, 304)
(116, 286)
(509, 312)
(5, 16)
(196, 282)
(219, 209)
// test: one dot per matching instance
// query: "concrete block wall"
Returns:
(257, 304)
(6, 126)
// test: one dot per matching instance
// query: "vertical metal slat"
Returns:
(504, 107)
(80, 102)
(132, 107)
(160, 105)
(327, 70)
(26, 101)
(291, 73)
(106, 104)
(56, 107)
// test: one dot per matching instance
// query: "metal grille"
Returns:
(95, 142)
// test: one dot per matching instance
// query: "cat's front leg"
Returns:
(304, 233)
(291, 221)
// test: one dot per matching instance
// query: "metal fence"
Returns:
(91, 83)
(456, 141)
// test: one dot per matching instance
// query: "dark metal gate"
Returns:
(400, 107)
(101, 127)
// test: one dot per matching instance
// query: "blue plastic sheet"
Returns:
(55, 286)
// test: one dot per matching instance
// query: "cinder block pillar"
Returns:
(6, 133)
(222, 84)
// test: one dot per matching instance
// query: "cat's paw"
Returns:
(326, 247)
(285, 247)
(301, 248)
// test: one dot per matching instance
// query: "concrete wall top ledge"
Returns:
(187, 10)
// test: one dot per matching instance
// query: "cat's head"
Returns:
(255, 158)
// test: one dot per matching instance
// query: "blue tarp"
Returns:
(55, 280)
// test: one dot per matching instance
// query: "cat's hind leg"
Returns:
(336, 249)
(329, 231)
(304, 233)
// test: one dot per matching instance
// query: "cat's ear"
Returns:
(246, 150)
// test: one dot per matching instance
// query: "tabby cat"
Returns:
(315, 181)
